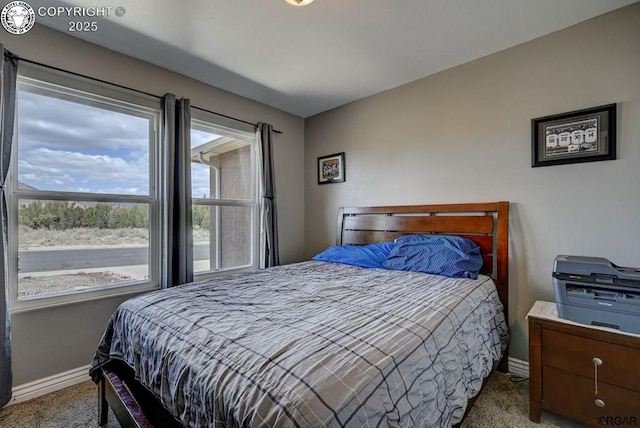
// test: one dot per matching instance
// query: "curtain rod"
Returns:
(10, 55)
(275, 131)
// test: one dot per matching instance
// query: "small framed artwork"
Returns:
(578, 136)
(331, 169)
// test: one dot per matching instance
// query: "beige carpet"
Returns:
(502, 404)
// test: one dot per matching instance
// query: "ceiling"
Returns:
(306, 60)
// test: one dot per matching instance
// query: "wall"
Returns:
(52, 341)
(464, 135)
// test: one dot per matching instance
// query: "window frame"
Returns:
(42, 81)
(207, 122)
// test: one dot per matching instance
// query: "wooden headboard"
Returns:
(487, 224)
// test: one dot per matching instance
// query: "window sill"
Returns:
(40, 303)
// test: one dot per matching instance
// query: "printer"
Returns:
(594, 291)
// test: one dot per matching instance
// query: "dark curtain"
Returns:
(269, 234)
(177, 134)
(7, 115)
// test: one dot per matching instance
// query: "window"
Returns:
(224, 165)
(84, 190)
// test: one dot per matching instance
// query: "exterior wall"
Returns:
(464, 135)
(234, 220)
(51, 341)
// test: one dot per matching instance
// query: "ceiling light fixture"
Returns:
(299, 2)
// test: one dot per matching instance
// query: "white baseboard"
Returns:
(518, 367)
(49, 384)
(60, 381)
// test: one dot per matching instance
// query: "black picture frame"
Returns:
(331, 168)
(587, 135)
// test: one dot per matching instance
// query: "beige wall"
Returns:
(464, 135)
(48, 342)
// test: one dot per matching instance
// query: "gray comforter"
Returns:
(312, 344)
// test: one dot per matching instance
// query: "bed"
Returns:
(314, 343)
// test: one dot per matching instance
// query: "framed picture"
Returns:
(578, 136)
(331, 169)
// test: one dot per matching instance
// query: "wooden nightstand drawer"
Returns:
(575, 354)
(563, 376)
(567, 392)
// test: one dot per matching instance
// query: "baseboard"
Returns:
(49, 384)
(518, 367)
(60, 381)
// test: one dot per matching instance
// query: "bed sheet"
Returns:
(312, 344)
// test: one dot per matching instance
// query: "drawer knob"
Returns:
(599, 402)
(597, 362)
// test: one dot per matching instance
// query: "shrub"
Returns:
(63, 215)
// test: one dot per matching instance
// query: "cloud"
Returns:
(73, 147)
(199, 137)
(200, 187)
(200, 174)
(44, 121)
(62, 170)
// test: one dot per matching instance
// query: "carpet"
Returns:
(503, 403)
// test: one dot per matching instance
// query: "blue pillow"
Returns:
(446, 255)
(367, 256)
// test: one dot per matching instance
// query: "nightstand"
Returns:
(588, 373)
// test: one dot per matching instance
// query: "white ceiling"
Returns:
(306, 60)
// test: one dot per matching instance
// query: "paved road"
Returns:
(86, 258)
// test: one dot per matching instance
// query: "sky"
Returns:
(66, 146)
(200, 185)
(72, 147)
